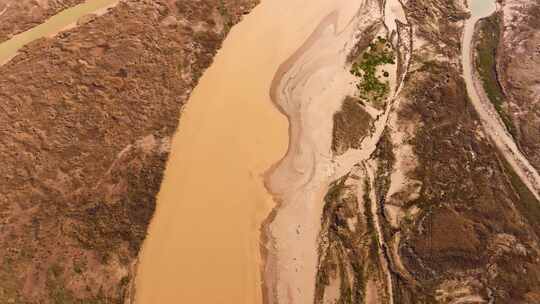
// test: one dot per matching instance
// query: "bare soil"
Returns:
(16, 16)
(472, 214)
(86, 121)
(517, 59)
(351, 124)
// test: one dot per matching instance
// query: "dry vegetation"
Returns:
(349, 254)
(475, 235)
(85, 124)
(517, 60)
(466, 192)
(19, 15)
(486, 48)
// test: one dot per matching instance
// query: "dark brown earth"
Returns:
(350, 251)
(476, 232)
(85, 122)
(21, 15)
(468, 202)
(351, 124)
(518, 58)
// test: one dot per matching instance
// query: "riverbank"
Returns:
(87, 118)
(17, 16)
(204, 239)
(64, 20)
(493, 123)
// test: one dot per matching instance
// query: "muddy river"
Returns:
(203, 243)
(63, 20)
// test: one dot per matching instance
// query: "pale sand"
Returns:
(371, 166)
(309, 88)
(203, 243)
(372, 293)
(393, 10)
(344, 162)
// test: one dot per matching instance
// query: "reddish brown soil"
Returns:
(21, 15)
(85, 122)
(477, 223)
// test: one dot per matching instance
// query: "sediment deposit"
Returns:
(408, 173)
(86, 123)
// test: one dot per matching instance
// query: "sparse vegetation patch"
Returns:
(351, 125)
(486, 66)
(373, 84)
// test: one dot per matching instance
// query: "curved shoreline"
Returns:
(266, 236)
(62, 21)
(492, 122)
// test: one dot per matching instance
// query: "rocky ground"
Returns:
(408, 198)
(19, 15)
(435, 215)
(517, 59)
(86, 119)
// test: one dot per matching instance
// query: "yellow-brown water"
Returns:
(203, 242)
(53, 25)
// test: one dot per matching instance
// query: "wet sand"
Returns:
(62, 21)
(203, 242)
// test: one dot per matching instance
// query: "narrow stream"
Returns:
(61, 21)
(492, 122)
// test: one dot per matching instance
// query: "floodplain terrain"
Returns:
(367, 151)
